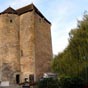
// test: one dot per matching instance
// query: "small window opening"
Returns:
(40, 20)
(21, 52)
(10, 21)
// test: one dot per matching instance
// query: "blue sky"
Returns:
(63, 14)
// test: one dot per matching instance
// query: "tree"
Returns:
(74, 59)
(71, 82)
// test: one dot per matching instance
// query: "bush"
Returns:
(48, 83)
(71, 82)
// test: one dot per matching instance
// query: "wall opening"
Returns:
(21, 52)
(31, 78)
(17, 79)
(10, 20)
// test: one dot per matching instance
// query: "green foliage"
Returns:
(73, 61)
(48, 83)
(71, 82)
(84, 74)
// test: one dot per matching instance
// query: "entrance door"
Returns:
(17, 79)
(31, 78)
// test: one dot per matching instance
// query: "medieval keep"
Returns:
(25, 44)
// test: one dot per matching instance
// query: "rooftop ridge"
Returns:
(23, 10)
(9, 10)
(28, 8)
(39, 13)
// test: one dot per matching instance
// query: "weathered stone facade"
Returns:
(25, 44)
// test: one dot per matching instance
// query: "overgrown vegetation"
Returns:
(71, 82)
(63, 82)
(73, 61)
(48, 83)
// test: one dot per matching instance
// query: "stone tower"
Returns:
(25, 44)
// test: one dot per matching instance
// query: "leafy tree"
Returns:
(71, 82)
(73, 61)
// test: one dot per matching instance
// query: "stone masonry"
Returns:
(25, 44)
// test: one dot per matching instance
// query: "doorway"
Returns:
(17, 79)
(31, 78)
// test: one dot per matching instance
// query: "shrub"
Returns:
(71, 82)
(48, 83)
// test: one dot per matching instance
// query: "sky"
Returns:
(63, 14)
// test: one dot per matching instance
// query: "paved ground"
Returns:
(15, 86)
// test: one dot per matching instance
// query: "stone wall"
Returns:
(27, 44)
(35, 45)
(43, 47)
(9, 47)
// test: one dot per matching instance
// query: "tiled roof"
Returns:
(9, 10)
(23, 10)
(30, 8)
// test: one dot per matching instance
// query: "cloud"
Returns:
(17, 3)
(20, 3)
(63, 18)
(60, 26)
(63, 15)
